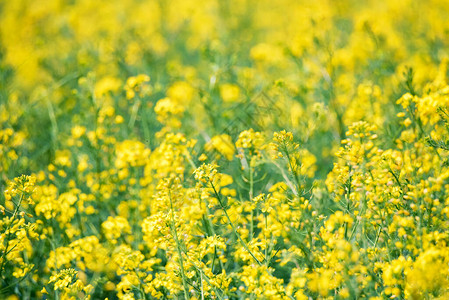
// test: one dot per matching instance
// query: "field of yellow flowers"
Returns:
(209, 149)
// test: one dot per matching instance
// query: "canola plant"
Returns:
(238, 149)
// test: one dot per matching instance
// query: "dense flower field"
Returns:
(240, 149)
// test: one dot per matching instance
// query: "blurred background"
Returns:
(308, 67)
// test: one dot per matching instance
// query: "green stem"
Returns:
(134, 111)
(9, 234)
(232, 225)
(267, 262)
(294, 172)
(251, 187)
(178, 248)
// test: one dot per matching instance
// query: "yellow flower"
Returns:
(229, 92)
(223, 144)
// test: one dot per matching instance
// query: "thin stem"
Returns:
(294, 172)
(178, 248)
(287, 180)
(141, 289)
(211, 232)
(251, 187)
(267, 262)
(8, 230)
(134, 111)
(202, 289)
(377, 237)
(232, 224)
(206, 278)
